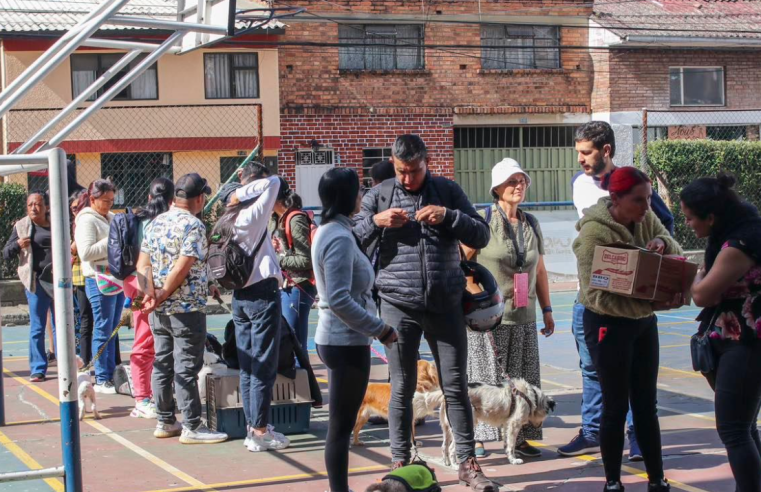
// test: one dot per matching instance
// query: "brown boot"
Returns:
(470, 475)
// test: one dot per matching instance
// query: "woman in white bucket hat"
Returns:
(514, 256)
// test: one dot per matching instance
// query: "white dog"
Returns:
(85, 391)
(507, 406)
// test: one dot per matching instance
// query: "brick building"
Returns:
(355, 74)
(691, 64)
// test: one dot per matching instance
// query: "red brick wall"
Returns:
(640, 78)
(349, 133)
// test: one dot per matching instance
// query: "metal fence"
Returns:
(132, 145)
(677, 147)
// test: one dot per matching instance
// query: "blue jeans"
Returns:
(591, 394)
(39, 305)
(296, 304)
(106, 312)
(256, 313)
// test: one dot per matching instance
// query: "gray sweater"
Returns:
(344, 277)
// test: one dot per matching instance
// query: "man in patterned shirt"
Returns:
(174, 249)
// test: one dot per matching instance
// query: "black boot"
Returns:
(662, 486)
(613, 487)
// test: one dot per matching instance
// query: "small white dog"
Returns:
(508, 406)
(85, 391)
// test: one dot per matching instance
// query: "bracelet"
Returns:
(547, 309)
(388, 334)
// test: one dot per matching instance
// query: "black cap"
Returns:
(227, 191)
(190, 186)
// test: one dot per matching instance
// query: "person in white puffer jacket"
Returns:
(91, 238)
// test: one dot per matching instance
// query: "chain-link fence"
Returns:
(132, 145)
(680, 146)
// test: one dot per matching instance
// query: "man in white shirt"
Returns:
(256, 307)
(596, 146)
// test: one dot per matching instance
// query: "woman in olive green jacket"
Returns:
(621, 332)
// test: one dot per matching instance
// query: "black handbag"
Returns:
(703, 355)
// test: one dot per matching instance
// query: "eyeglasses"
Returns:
(514, 183)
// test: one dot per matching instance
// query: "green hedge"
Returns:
(679, 162)
(12, 208)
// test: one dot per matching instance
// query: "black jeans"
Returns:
(85, 325)
(256, 312)
(348, 374)
(625, 353)
(448, 340)
(737, 384)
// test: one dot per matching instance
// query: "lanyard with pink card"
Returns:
(520, 279)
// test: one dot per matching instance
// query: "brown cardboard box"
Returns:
(635, 272)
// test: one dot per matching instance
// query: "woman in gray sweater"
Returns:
(347, 321)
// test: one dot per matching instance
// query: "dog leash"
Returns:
(136, 305)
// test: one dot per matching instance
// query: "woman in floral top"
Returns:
(728, 287)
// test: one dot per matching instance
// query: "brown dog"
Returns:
(378, 396)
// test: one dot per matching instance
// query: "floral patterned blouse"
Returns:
(739, 316)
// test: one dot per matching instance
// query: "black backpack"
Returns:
(229, 265)
(123, 247)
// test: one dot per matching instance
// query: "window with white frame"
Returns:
(85, 68)
(380, 47)
(370, 157)
(231, 75)
(696, 86)
(513, 47)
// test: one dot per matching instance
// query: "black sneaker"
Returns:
(51, 358)
(614, 487)
(662, 486)
(527, 450)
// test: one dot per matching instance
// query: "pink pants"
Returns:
(141, 360)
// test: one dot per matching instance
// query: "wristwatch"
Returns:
(547, 309)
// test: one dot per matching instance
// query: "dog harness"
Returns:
(416, 478)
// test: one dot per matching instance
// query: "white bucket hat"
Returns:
(504, 170)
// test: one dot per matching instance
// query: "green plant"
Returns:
(12, 208)
(679, 162)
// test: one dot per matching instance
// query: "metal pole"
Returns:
(115, 44)
(64, 316)
(233, 177)
(73, 105)
(32, 475)
(63, 40)
(115, 89)
(124, 20)
(643, 152)
(58, 56)
(2, 384)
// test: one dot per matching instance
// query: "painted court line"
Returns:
(121, 440)
(27, 460)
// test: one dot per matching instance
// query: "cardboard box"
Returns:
(636, 272)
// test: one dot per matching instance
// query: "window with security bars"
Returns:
(696, 86)
(380, 47)
(502, 137)
(231, 75)
(132, 174)
(228, 165)
(85, 68)
(514, 47)
(369, 158)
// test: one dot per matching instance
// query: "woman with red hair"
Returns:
(621, 330)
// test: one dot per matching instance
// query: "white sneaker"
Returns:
(144, 409)
(167, 430)
(269, 441)
(106, 388)
(202, 435)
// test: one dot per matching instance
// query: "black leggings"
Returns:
(737, 384)
(85, 325)
(348, 374)
(625, 353)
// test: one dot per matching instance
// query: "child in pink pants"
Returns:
(141, 360)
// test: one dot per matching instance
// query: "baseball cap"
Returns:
(504, 170)
(190, 186)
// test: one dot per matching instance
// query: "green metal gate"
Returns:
(546, 153)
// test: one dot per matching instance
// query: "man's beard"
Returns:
(598, 167)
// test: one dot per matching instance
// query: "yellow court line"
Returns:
(30, 462)
(321, 380)
(627, 469)
(675, 346)
(124, 442)
(684, 373)
(258, 481)
(672, 333)
(15, 341)
(15, 358)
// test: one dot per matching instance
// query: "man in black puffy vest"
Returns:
(411, 226)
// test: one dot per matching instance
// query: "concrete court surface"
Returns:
(119, 453)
